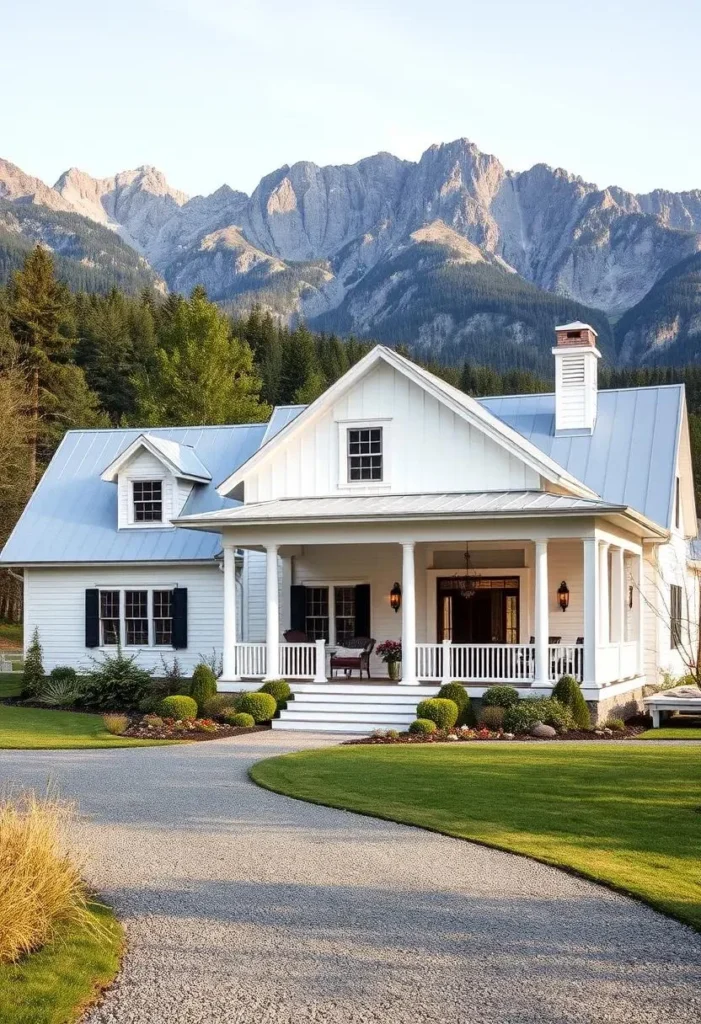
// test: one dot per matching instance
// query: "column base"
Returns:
(408, 682)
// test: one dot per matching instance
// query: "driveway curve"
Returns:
(246, 907)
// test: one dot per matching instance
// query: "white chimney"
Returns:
(576, 359)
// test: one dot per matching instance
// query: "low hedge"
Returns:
(261, 706)
(422, 727)
(177, 707)
(547, 710)
(439, 710)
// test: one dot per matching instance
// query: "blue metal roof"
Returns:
(282, 415)
(182, 456)
(630, 456)
(72, 515)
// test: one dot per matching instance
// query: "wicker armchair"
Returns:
(295, 636)
(348, 662)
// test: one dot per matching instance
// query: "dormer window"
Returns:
(148, 501)
(364, 454)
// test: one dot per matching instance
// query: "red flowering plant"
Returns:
(389, 650)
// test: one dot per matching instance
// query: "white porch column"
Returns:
(272, 614)
(604, 596)
(591, 609)
(542, 617)
(229, 652)
(408, 616)
(618, 589)
(640, 580)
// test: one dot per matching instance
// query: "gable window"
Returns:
(148, 501)
(675, 616)
(136, 618)
(110, 618)
(364, 453)
(162, 618)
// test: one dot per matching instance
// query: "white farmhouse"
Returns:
(508, 540)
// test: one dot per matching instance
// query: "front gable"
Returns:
(432, 437)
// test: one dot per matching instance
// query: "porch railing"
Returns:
(296, 661)
(251, 660)
(565, 660)
(495, 663)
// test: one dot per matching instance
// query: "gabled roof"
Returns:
(72, 515)
(460, 403)
(180, 459)
(630, 456)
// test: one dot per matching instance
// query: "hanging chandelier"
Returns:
(467, 584)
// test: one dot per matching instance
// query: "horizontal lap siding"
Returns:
(55, 603)
(565, 562)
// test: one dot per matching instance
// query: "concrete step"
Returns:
(359, 715)
(305, 725)
(370, 690)
(339, 709)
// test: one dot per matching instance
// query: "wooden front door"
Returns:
(490, 616)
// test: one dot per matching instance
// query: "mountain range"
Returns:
(453, 254)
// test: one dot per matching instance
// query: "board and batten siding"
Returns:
(427, 448)
(55, 604)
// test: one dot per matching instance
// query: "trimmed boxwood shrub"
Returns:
(280, 690)
(439, 710)
(423, 726)
(240, 719)
(492, 717)
(458, 693)
(547, 710)
(262, 706)
(567, 691)
(203, 686)
(500, 697)
(177, 707)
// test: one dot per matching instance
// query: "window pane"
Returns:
(148, 501)
(317, 613)
(344, 613)
(162, 618)
(109, 617)
(365, 453)
(136, 616)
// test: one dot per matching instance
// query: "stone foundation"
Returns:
(624, 706)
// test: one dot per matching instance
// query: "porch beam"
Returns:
(408, 616)
(229, 650)
(272, 621)
(542, 617)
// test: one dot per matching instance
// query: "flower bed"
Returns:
(464, 734)
(152, 727)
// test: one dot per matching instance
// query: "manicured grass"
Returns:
(628, 816)
(10, 684)
(12, 633)
(55, 984)
(672, 733)
(36, 729)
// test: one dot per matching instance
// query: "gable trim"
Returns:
(111, 472)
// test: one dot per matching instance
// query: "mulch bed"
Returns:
(138, 729)
(482, 735)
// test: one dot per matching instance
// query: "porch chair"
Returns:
(295, 636)
(364, 645)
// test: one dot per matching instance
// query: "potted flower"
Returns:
(391, 653)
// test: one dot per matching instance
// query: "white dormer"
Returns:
(154, 478)
(576, 372)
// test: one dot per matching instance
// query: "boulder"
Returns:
(543, 732)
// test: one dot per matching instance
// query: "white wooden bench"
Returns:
(683, 699)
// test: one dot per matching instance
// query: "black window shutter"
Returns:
(298, 608)
(92, 618)
(362, 610)
(180, 618)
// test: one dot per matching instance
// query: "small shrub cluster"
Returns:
(567, 691)
(203, 686)
(500, 697)
(492, 717)
(615, 724)
(456, 692)
(217, 705)
(423, 727)
(261, 706)
(61, 689)
(280, 690)
(178, 707)
(443, 712)
(522, 716)
(116, 724)
(116, 681)
(240, 719)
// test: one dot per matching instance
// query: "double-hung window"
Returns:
(136, 618)
(364, 454)
(316, 613)
(147, 497)
(162, 618)
(110, 617)
(330, 613)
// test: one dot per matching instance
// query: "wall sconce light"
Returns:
(395, 597)
(563, 595)
(630, 596)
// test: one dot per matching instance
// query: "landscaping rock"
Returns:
(543, 732)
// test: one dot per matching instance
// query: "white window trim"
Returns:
(123, 617)
(364, 485)
(163, 523)
(331, 586)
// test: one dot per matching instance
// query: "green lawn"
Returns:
(54, 985)
(628, 816)
(10, 684)
(673, 733)
(12, 632)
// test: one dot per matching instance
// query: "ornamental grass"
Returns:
(41, 889)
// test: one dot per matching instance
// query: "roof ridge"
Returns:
(148, 430)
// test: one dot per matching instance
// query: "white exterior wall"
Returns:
(55, 603)
(145, 466)
(671, 568)
(565, 562)
(427, 448)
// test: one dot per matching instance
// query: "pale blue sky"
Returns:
(213, 91)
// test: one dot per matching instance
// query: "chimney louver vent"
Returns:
(576, 358)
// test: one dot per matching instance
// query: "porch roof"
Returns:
(369, 508)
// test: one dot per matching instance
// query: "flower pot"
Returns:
(393, 670)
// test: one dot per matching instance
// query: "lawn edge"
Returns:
(567, 869)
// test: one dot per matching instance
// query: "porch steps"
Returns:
(348, 708)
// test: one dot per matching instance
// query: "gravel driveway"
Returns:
(244, 906)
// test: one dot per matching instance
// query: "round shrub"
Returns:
(423, 726)
(262, 706)
(280, 690)
(567, 691)
(439, 710)
(500, 697)
(178, 707)
(458, 693)
(492, 717)
(615, 724)
(218, 704)
(239, 718)
(64, 674)
(547, 710)
(203, 685)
